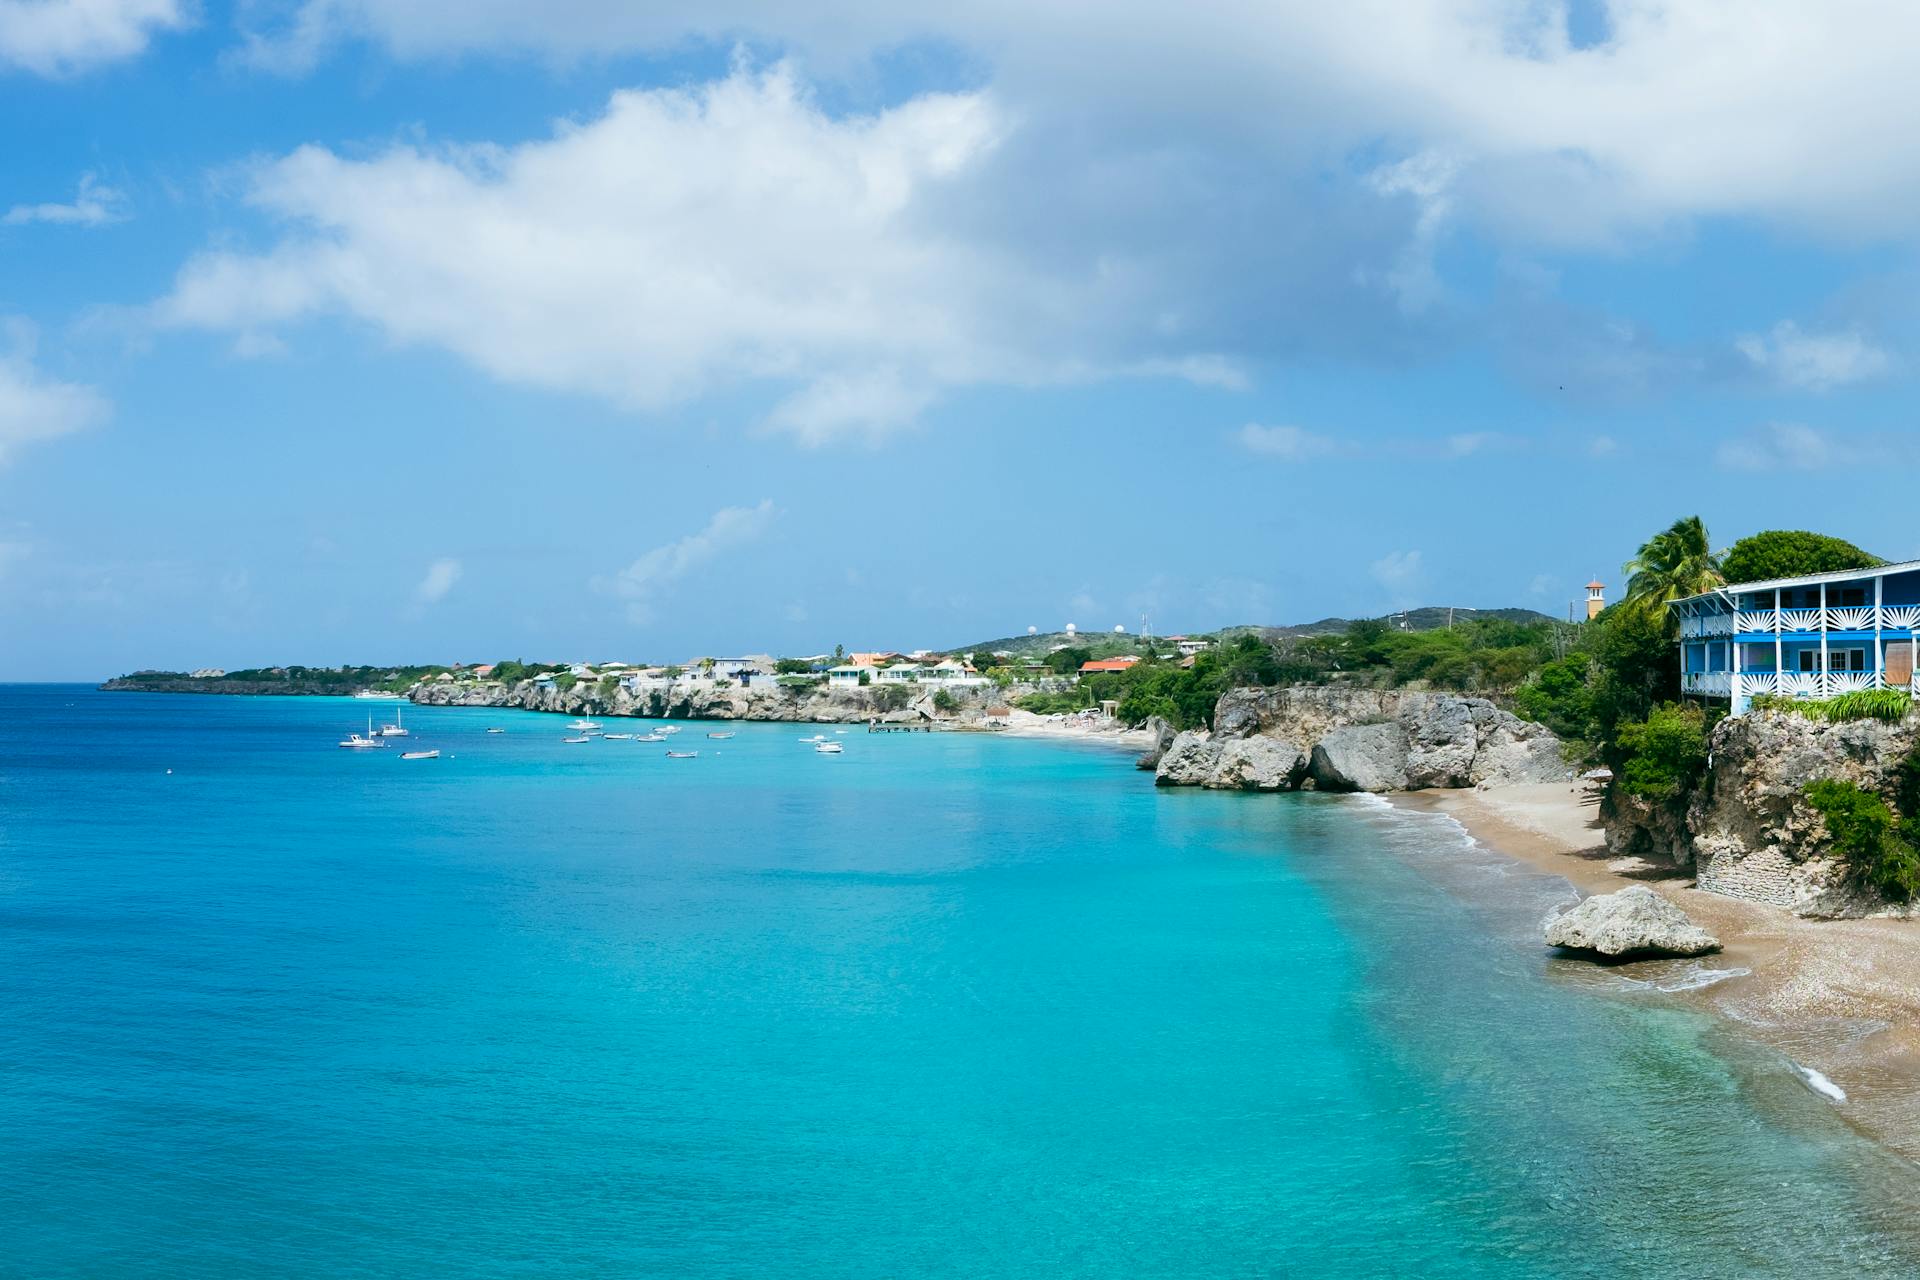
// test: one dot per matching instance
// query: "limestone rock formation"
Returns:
(1258, 764)
(1634, 923)
(1189, 760)
(1377, 740)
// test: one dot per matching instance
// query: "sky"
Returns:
(454, 330)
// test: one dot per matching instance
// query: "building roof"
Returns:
(1596, 585)
(1106, 664)
(1809, 580)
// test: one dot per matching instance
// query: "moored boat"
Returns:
(682, 755)
(581, 738)
(420, 755)
(721, 736)
(829, 748)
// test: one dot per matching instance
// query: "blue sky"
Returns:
(383, 330)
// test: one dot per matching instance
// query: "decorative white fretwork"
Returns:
(1709, 682)
(1839, 682)
(1850, 619)
(1717, 624)
(1756, 619)
(1801, 619)
(1903, 617)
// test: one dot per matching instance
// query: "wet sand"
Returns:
(1841, 997)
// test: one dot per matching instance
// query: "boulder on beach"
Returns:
(1634, 923)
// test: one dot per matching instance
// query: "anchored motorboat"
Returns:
(496, 730)
(360, 743)
(721, 736)
(580, 738)
(420, 755)
(583, 725)
(682, 755)
(829, 748)
(616, 737)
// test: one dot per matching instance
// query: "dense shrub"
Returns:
(1872, 842)
(945, 703)
(1791, 553)
(1665, 755)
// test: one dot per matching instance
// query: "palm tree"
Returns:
(1674, 563)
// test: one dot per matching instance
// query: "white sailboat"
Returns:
(397, 729)
(583, 725)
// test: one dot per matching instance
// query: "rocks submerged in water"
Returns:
(1634, 923)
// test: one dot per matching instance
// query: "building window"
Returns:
(1852, 597)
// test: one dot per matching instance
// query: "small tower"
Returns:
(1596, 598)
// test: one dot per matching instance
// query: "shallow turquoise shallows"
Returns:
(939, 1006)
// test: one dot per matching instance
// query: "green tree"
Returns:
(1674, 563)
(1791, 553)
(944, 702)
(1063, 662)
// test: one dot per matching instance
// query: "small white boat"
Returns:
(720, 736)
(829, 748)
(420, 755)
(496, 731)
(583, 725)
(371, 739)
(616, 737)
(683, 755)
(397, 729)
(839, 730)
(668, 728)
(815, 739)
(581, 738)
(650, 737)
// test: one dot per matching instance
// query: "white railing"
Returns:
(1801, 619)
(1709, 682)
(1713, 624)
(1839, 682)
(1853, 618)
(1791, 684)
(1756, 619)
(1903, 617)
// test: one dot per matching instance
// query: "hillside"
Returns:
(1428, 618)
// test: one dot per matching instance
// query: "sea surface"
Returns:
(944, 1005)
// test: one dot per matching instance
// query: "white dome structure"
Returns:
(1119, 629)
(1071, 628)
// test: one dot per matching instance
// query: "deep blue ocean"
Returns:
(944, 1005)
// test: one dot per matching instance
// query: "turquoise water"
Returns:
(942, 1006)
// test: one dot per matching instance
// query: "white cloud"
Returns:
(34, 407)
(1397, 571)
(1701, 108)
(1783, 446)
(95, 204)
(1602, 447)
(1295, 444)
(439, 579)
(1813, 361)
(63, 37)
(666, 564)
(686, 241)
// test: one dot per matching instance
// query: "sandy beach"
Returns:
(1106, 733)
(1841, 997)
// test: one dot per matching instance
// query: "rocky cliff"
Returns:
(697, 699)
(1747, 830)
(1333, 739)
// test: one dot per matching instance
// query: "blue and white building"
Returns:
(1813, 637)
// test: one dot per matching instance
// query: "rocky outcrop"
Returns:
(1364, 740)
(1635, 923)
(1162, 734)
(701, 699)
(1751, 834)
(1258, 764)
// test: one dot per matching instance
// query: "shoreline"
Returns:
(1836, 997)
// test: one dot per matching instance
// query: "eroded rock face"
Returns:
(1634, 923)
(1361, 757)
(697, 699)
(1383, 740)
(1751, 833)
(1258, 764)
(1189, 760)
